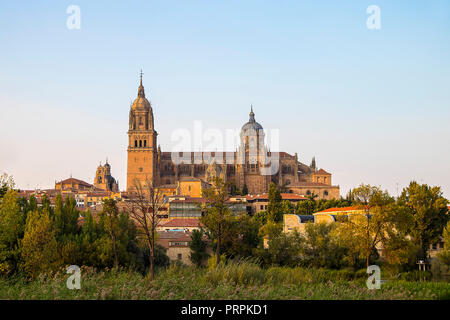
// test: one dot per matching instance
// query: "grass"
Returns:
(241, 280)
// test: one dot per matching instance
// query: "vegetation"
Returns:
(238, 280)
(324, 261)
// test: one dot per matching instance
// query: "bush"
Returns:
(416, 275)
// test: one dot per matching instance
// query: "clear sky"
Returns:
(373, 106)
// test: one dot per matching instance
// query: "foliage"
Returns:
(12, 224)
(218, 217)
(244, 190)
(274, 208)
(429, 208)
(39, 249)
(444, 255)
(198, 248)
(241, 280)
(321, 248)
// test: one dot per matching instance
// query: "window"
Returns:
(324, 179)
(261, 207)
(135, 143)
(140, 143)
(434, 246)
(189, 188)
(308, 192)
(265, 207)
(325, 193)
(180, 256)
(441, 245)
(145, 143)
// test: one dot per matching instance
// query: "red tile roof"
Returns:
(182, 223)
(352, 208)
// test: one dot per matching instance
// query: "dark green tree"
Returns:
(198, 248)
(244, 190)
(274, 207)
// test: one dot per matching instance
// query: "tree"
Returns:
(66, 217)
(6, 183)
(217, 218)
(12, 226)
(320, 248)
(110, 214)
(39, 249)
(429, 208)
(306, 207)
(198, 248)
(274, 206)
(444, 255)
(144, 206)
(287, 207)
(398, 248)
(368, 228)
(283, 250)
(244, 190)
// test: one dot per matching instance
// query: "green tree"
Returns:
(444, 255)
(12, 226)
(368, 229)
(244, 190)
(429, 208)
(39, 249)
(320, 248)
(110, 214)
(282, 250)
(6, 183)
(218, 216)
(287, 207)
(306, 207)
(274, 207)
(198, 248)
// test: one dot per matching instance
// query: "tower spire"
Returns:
(141, 92)
(252, 115)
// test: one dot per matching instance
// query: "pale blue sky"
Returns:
(373, 106)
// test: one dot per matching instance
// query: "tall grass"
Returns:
(243, 279)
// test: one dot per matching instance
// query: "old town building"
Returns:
(251, 166)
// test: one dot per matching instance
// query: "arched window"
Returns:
(140, 143)
(145, 143)
(135, 143)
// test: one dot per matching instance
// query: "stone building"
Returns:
(104, 180)
(252, 165)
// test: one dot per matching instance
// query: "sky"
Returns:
(372, 105)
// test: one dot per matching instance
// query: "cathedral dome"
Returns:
(141, 103)
(251, 125)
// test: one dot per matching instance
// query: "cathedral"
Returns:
(251, 166)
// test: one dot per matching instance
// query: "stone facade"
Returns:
(104, 180)
(251, 165)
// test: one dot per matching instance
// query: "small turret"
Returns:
(313, 164)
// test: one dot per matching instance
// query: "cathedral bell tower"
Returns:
(142, 147)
